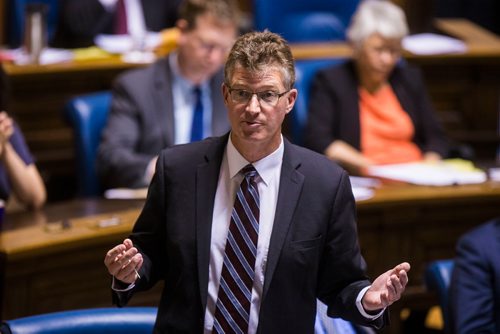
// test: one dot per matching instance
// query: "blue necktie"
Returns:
(235, 291)
(197, 125)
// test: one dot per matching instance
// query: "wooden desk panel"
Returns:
(421, 223)
(46, 267)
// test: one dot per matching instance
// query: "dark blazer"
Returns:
(333, 112)
(313, 253)
(475, 284)
(141, 123)
(81, 20)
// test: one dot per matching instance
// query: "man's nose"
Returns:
(253, 104)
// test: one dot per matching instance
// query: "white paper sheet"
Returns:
(431, 174)
(430, 44)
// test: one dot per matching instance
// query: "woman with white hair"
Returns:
(373, 109)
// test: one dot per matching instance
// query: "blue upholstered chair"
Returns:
(327, 325)
(304, 72)
(88, 114)
(127, 320)
(15, 19)
(437, 279)
(305, 21)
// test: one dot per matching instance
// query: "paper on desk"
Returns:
(362, 187)
(431, 174)
(90, 53)
(430, 44)
(124, 43)
(126, 193)
(48, 56)
(362, 193)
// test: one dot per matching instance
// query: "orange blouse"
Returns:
(386, 129)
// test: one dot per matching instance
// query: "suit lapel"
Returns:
(163, 99)
(207, 176)
(291, 182)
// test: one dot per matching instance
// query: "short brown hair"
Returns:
(226, 11)
(255, 50)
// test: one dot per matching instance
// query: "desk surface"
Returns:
(74, 223)
(69, 224)
(404, 194)
(480, 44)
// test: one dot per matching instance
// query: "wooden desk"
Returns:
(464, 89)
(50, 262)
(43, 271)
(419, 224)
(481, 45)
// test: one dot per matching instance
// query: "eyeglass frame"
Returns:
(259, 99)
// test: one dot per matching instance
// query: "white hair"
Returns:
(377, 16)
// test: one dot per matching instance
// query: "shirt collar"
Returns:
(265, 166)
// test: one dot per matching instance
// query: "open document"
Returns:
(442, 173)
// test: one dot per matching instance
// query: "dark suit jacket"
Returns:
(334, 108)
(475, 284)
(313, 253)
(81, 20)
(141, 123)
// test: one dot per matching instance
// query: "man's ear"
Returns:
(291, 98)
(182, 25)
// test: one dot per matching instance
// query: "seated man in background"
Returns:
(80, 21)
(475, 283)
(175, 100)
(18, 173)
(372, 110)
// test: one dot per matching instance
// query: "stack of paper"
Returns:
(432, 174)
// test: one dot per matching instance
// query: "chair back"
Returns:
(87, 114)
(437, 279)
(305, 21)
(16, 18)
(126, 320)
(304, 73)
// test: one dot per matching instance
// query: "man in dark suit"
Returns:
(475, 283)
(153, 107)
(80, 21)
(292, 229)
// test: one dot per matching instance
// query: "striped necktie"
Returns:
(235, 290)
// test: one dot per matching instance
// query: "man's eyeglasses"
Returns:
(267, 97)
